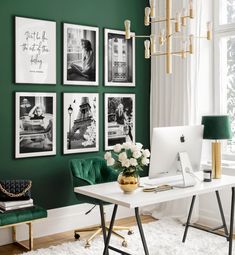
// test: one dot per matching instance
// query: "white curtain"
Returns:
(174, 97)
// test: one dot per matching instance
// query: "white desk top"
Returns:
(110, 192)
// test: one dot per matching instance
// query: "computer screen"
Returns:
(168, 142)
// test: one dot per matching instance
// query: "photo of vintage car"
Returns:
(116, 132)
(119, 119)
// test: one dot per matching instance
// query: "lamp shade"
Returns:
(217, 127)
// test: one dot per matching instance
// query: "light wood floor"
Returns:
(57, 239)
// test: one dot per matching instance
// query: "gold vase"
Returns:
(128, 181)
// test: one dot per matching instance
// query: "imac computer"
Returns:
(176, 153)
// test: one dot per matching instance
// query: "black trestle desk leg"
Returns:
(189, 218)
(231, 223)
(106, 248)
(221, 212)
(141, 231)
(102, 220)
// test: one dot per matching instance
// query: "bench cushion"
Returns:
(23, 215)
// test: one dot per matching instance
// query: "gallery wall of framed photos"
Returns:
(80, 82)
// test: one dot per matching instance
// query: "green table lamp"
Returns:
(216, 127)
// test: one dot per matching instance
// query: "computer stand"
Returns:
(186, 170)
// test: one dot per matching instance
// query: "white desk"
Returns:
(110, 192)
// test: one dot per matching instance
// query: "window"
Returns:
(227, 48)
(224, 69)
(227, 14)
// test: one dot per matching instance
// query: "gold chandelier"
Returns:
(165, 36)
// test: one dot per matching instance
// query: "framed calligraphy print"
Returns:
(35, 49)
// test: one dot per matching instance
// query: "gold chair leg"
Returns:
(124, 242)
(98, 230)
(86, 229)
(130, 231)
(92, 237)
(121, 228)
(118, 235)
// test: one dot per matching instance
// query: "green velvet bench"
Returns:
(23, 216)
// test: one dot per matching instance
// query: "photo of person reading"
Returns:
(85, 69)
(36, 113)
(36, 129)
(38, 120)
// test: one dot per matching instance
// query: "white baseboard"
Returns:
(63, 219)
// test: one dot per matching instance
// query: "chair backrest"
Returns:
(91, 170)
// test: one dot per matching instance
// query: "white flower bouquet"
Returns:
(128, 157)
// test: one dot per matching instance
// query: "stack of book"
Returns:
(15, 205)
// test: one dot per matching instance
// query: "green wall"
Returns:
(50, 175)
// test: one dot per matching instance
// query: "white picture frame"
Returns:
(35, 51)
(119, 56)
(81, 122)
(35, 124)
(81, 55)
(119, 119)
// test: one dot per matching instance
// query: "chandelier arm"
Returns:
(180, 36)
(185, 17)
(171, 53)
(158, 54)
(140, 36)
(177, 55)
(173, 35)
(200, 37)
(187, 37)
(172, 19)
(179, 52)
(161, 20)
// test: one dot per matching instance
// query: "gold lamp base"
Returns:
(216, 160)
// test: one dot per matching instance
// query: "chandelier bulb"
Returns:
(191, 44)
(147, 49)
(127, 24)
(184, 49)
(191, 9)
(183, 18)
(147, 16)
(178, 22)
(209, 30)
(153, 8)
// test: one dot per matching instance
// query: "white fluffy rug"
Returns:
(163, 238)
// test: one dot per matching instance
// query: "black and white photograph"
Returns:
(81, 52)
(35, 49)
(81, 122)
(119, 59)
(35, 124)
(119, 119)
